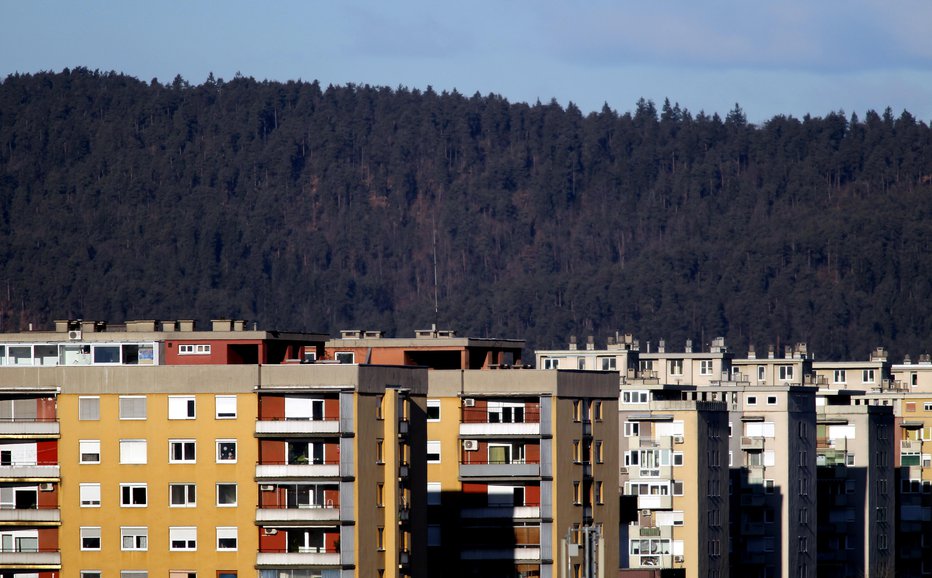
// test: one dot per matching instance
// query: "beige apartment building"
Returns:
(522, 471)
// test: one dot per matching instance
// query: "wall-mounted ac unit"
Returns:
(645, 513)
(471, 445)
(678, 439)
(46, 487)
(267, 488)
(679, 559)
(469, 402)
(270, 531)
(74, 334)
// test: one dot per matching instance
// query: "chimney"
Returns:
(879, 354)
(572, 343)
(590, 343)
(689, 346)
(662, 346)
(752, 354)
(221, 324)
(770, 352)
(185, 325)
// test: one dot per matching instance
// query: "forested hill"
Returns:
(321, 208)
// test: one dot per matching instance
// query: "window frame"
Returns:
(235, 494)
(82, 453)
(183, 443)
(217, 413)
(189, 409)
(436, 444)
(188, 489)
(81, 497)
(186, 539)
(86, 533)
(218, 454)
(131, 486)
(88, 398)
(126, 444)
(433, 404)
(234, 530)
(124, 412)
(134, 533)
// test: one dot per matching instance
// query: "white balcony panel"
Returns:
(524, 554)
(655, 502)
(514, 513)
(271, 471)
(26, 429)
(297, 427)
(499, 429)
(297, 515)
(32, 560)
(35, 516)
(281, 559)
(30, 471)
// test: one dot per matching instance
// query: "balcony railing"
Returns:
(29, 469)
(752, 443)
(34, 515)
(491, 468)
(654, 502)
(280, 513)
(269, 557)
(479, 422)
(313, 469)
(31, 558)
(528, 414)
(524, 552)
(32, 427)
(502, 511)
(282, 426)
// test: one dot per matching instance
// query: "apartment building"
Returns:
(674, 483)
(856, 486)
(522, 468)
(794, 368)
(870, 374)
(619, 354)
(182, 456)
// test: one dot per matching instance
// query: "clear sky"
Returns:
(773, 57)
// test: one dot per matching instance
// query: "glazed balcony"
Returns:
(655, 502)
(478, 467)
(30, 428)
(301, 427)
(527, 511)
(479, 422)
(753, 443)
(302, 557)
(275, 514)
(522, 553)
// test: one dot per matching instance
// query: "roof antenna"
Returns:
(436, 300)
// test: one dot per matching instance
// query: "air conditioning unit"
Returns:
(267, 488)
(270, 531)
(469, 402)
(678, 439)
(471, 445)
(74, 334)
(46, 487)
(679, 559)
(623, 470)
(645, 513)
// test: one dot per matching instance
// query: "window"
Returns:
(181, 451)
(182, 538)
(433, 410)
(752, 400)
(433, 493)
(134, 574)
(705, 367)
(134, 538)
(577, 410)
(181, 407)
(676, 367)
(345, 357)
(379, 452)
(182, 495)
(637, 397)
(839, 376)
(599, 455)
(194, 349)
(226, 406)
(90, 495)
(90, 538)
(378, 407)
(90, 451)
(226, 451)
(596, 410)
(769, 487)
(771, 400)
(867, 376)
(433, 452)
(133, 451)
(133, 495)
(677, 458)
(608, 363)
(632, 428)
(88, 408)
(785, 372)
(226, 539)
(577, 493)
(106, 353)
(132, 407)
(761, 373)
(90, 573)
(598, 493)
(380, 538)
(759, 429)
(226, 495)
(433, 535)
(551, 363)
(380, 495)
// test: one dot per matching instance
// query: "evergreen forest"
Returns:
(305, 207)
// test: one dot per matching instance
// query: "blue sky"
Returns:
(773, 57)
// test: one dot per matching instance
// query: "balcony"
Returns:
(285, 471)
(752, 443)
(31, 558)
(486, 469)
(655, 502)
(655, 531)
(665, 472)
(42, 516)
(297, 514)
(31, 471)
(269, 558)
(528, 553)
(911, 446)
(34, 428)
(297, 427)
(526, 512)
(509, 421)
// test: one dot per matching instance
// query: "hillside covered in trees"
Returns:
(320, 208)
